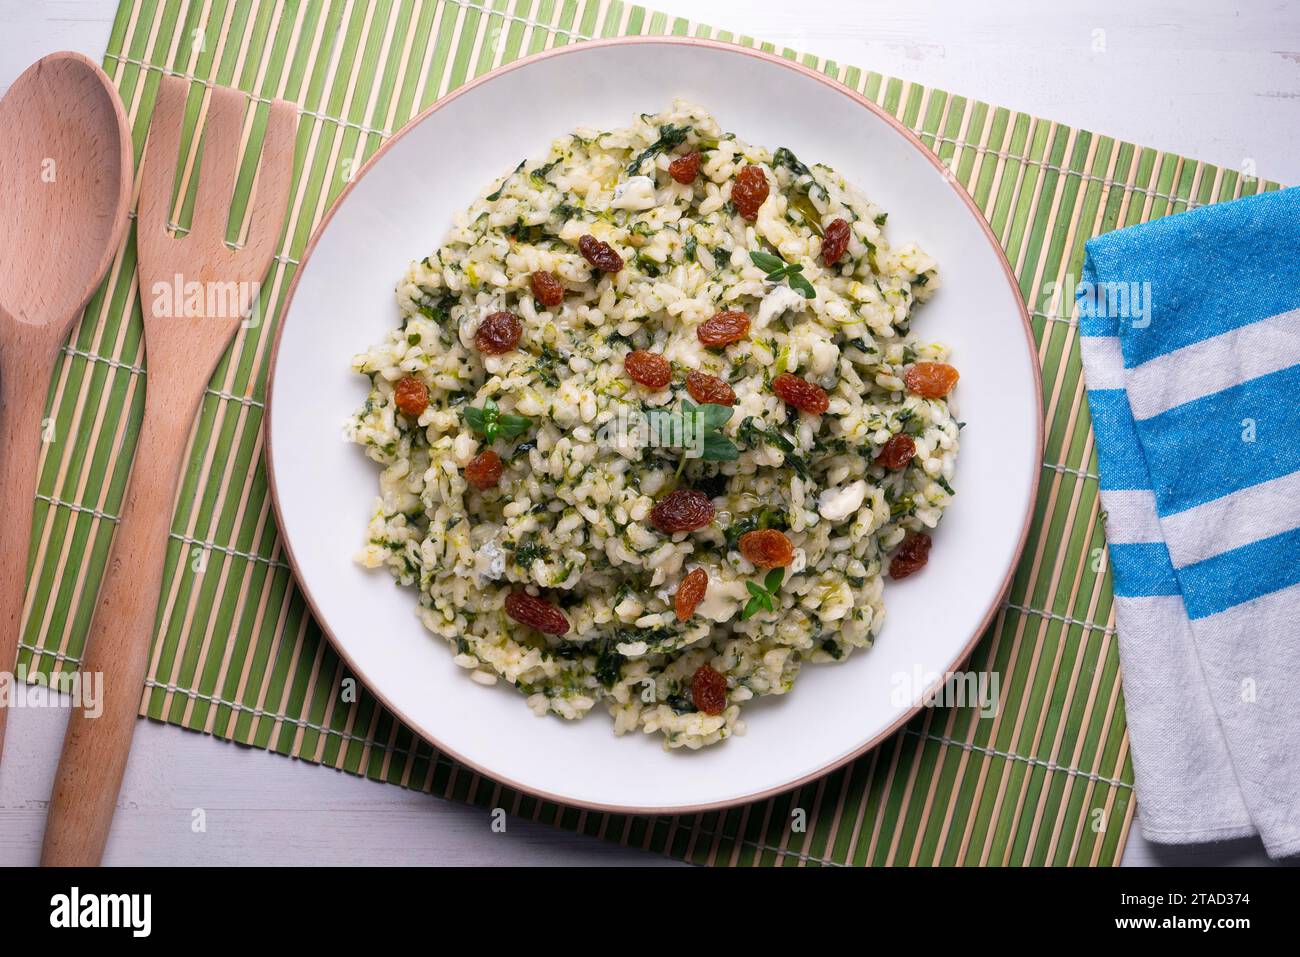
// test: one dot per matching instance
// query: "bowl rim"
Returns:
(913, 140)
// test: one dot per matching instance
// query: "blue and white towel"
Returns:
(1190, 331)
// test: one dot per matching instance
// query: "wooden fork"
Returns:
(184, 339)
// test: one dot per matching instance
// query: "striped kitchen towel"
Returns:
(1190, 331)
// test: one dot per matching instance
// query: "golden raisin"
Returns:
(547, 288)
(723, 328)
(803, 395)
(411, 396)
(601, 255)
(709, 389)
(536, 613)
(682, 510)
(498, 333)
(690, 593)
(648, 368)
(898, 451)
(835, 241)
(709, 690)
(684, 169)
(749, 190)
(911, 556)
(767, 548)
(484, 470)
(930, 380)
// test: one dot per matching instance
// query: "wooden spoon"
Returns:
(65, 188)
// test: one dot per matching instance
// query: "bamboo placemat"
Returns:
(1048, 780)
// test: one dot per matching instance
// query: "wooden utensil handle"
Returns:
(23, 387)
(118, 645)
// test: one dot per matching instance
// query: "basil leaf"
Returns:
(766, 261)
(774, 578)
(513, 426)
(751, 609)
(692, 432)
(489, 422)
(755, 590)
(666, 428)
(713, 416)
(801, 285)
(719, 448)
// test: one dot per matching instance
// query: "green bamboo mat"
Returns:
(237, 654)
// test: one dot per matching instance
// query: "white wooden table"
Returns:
(1214, 80)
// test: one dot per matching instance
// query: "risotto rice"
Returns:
(570, 519)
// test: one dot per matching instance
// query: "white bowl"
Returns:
(397, 209)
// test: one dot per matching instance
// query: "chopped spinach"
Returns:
(609, 665)
(670, 137)
(493, 196)
(712, 485)
(529, 550)
(681, 703)
(783, 157)
(648, 267)
(538, 176)
(769, 517)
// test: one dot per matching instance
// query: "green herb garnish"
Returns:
(609, 666)
(520, 232)
(763, 597)
(670, 137)
(538, 176)
(769, 517)
(783, 157)
(681, 703)
(496, 194)
(695, 427)
(530, 551)
(648, 267)
(491, 422)
(777, 269)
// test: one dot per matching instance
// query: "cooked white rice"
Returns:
(569, 520)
